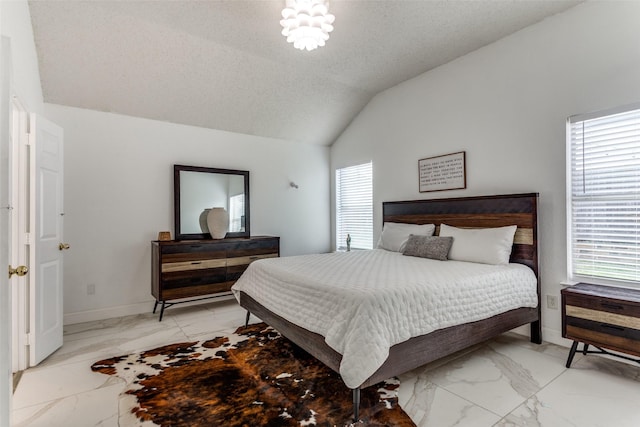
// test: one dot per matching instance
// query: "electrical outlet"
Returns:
(552, 302)
(91, 289)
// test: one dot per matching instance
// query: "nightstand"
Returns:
(606, 317)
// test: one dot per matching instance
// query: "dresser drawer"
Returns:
(193, 256)
(246, 260)
(237, 266)
(196, 291)
(196, 247)
(256, 247)
(182, 279)
(193, 265)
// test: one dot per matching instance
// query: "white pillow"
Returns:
(483, 245)
(395, 235)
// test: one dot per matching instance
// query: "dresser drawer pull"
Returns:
(196, 262)
(607, 326)
(611, 306)
(195, 246)
(253, 257)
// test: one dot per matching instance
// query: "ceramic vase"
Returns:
(218, 222)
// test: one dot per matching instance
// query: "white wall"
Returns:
(16, 24)
(119, 186)
(119, 194)
(505, 105)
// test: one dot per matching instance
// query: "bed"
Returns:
(410, 353)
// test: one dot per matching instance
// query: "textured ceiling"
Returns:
(224, 64)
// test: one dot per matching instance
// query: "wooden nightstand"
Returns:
(602, 316)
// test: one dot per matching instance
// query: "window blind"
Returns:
(354, 206)
(604, 213)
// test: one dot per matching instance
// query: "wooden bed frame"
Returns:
(471, 212)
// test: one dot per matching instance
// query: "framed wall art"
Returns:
(446, 172)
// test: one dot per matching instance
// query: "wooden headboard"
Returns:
(477, 212)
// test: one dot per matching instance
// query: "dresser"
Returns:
(605, 317)
(189, 270)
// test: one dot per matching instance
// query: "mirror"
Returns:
(198, 189)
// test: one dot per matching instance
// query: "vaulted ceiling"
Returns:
(224, 64)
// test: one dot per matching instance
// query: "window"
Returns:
(236, 213)
(354, 207)
(604, 190)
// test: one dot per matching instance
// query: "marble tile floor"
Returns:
(504, 382)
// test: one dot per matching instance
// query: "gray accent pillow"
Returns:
(433, 247)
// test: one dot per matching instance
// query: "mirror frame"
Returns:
(176, 201)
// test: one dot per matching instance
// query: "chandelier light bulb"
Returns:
(306, 23)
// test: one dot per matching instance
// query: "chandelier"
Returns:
(306, 23)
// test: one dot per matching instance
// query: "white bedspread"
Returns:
(364, 302)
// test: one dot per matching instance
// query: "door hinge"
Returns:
(29, 338)
(27, 238)
(31, 134)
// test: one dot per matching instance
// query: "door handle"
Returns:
(63, 246)
(21, 270)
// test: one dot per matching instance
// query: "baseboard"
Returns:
(548, 335)
(108, 313)
(555, 337)
(124, 310)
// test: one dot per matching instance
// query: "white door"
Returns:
(5, 239)
(19, 290)
(45, 277)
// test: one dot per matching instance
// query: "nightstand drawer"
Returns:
(605, 305)
(602, 327)
(618, 339)
(597, 316)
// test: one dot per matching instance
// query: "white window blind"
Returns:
(354, 206)
(604, 213)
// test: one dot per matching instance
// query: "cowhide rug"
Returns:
(254, 377)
